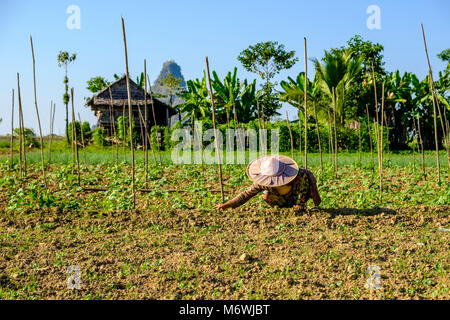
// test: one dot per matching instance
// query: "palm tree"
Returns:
(64, 59)
(227, 92)
(339, 71)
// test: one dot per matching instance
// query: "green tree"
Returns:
(64, 59)
(339, 71)
(96, 84)
(172, 84)
(267, 59)
(196, 100)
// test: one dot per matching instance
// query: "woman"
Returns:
(283, 183)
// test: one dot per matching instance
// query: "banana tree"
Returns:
(196, 97)
(226, 92)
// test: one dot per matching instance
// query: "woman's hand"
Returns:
(221, 206)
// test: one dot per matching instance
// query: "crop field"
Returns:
(174, 245)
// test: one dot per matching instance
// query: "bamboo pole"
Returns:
(376, 114)
(330, 138)
(23, 153)
(413, 142)
(381, 143)
(146, 141)
(52, 120)
(115, 153)
(82, 139)
(306, 105)
(299, 133)
(124, 134)
(37, 113)
(130, 115)
(74, 138)
(335, 134)
(12, 132)
(360, 147)
(290, 134)
(430, 74)
(318, 140)
(421, 143)
(154, 119)
(215, 131)
(370, 136)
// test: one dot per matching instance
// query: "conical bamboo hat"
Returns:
(272, 170)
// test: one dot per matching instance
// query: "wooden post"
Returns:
(215, 131)
(381, 143)
(124, 134)
(430, 74)
(146, 140)
(306, 107)
(12, 132)
(74, 138)
(290, 133)
(82, 138)
(370, 136)
(22, 133)
(360, 147)
(335, 134)
(299, 133)
(154, 119)
(421, 143)
(130, 115)
(330, 138)
(52, 120)
(376, 114)
(413, 142)
(37, 113)
(113, 127)
(318, 140)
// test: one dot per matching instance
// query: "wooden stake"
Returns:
(421, 143)
(290, 133)
(113, 127)
(154, 119)
(129, 114)
(146, 140)
(82, 138)
(37, 113)
(299, 133)
(430, 74)
(124, 134)
(318, 140)
(52, 120)
(215, 131)
(414, 136)
(376, 114)
(370, 136)
(12, 132)
(306, 107)
(23, 154)
(74, 138)
(330, 138)
(335, 134)
(381, 143)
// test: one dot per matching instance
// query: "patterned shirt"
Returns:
(303, 187)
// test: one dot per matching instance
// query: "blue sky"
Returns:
(187, 31)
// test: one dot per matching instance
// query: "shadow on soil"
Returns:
(357, 212)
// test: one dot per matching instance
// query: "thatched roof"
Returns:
(120, 96)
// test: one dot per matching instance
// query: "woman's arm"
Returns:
(241, 198)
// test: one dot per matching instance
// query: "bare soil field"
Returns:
(175, 246)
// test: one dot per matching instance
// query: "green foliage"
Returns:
(30, 137)
(123, 129)
(163, 138)
(99, 136)
(267, 59)
(96, 84)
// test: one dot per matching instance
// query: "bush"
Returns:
(99, 136)
(30, 137)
